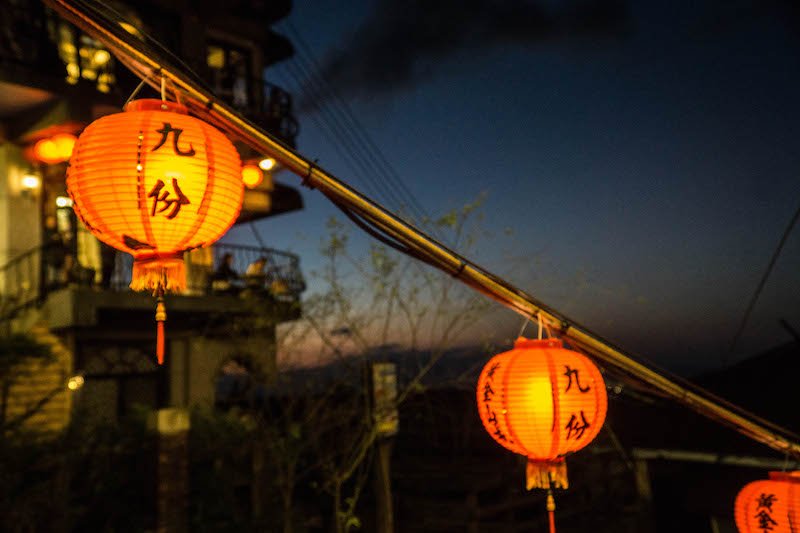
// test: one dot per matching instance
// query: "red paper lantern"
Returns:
(542, 401)
(155, 182)
(769, 505)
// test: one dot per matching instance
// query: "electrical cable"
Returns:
(311, 71)
(344, 136)
(375, 156)
(358, 221)
(336, 135)
(762, 282)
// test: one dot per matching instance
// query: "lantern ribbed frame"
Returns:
(527, 397)
(784, 509)
(114, 169)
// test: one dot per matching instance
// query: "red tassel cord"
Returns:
(161, 317)
(551, 510)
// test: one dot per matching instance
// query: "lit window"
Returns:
(216, 57)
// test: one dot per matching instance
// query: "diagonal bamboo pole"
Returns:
(150, 65)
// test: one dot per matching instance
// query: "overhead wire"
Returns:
(365, 146)
(373, 152)
(342, 134)
(763, 281)
(337, 136)
(326, 101)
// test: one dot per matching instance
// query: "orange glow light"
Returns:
(252, 176)
(774, 503)
(46, 151)
(55, 149)
(65, 142)
(154, 182)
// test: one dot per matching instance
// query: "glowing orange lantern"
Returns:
(769, 505)
(55, 149)
(542, 401)
(155, 182)
(65, 143)
(252, 176)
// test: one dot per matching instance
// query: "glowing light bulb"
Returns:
(63, 201)
(266, 164)
(30, 182)
(251, 176)
(75, 382)
(101, 57)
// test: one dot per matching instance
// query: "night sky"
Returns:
(643, 155)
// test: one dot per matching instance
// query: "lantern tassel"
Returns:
(167, 273)
(161, 317)
(546, 474)
(551, 510)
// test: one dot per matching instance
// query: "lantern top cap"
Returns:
(154, 104)
(791, 477)
(523, 343)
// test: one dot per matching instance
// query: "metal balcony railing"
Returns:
(28, 278)
(281, 277)
(20, 282)
(35, 39)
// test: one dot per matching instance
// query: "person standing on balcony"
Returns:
(225, 276)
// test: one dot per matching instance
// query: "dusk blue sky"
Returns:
(647, 172)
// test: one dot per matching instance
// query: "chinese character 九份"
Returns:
(160, 197)
(574, 372)
(176, 133)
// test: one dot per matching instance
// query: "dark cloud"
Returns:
(402, 38)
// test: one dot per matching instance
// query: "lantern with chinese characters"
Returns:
(542, 401)
(155, 182)
(769, 505)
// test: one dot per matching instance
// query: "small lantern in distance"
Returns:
(252, 176)
(769, 504)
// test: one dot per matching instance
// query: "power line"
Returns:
(343, 133)
(362, 144)
(763, 280)
(374, 152)
(338, 136)
(329, 129)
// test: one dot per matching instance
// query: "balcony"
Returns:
(79, 297)
(43, 57)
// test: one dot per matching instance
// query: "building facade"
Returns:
(65, 288)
